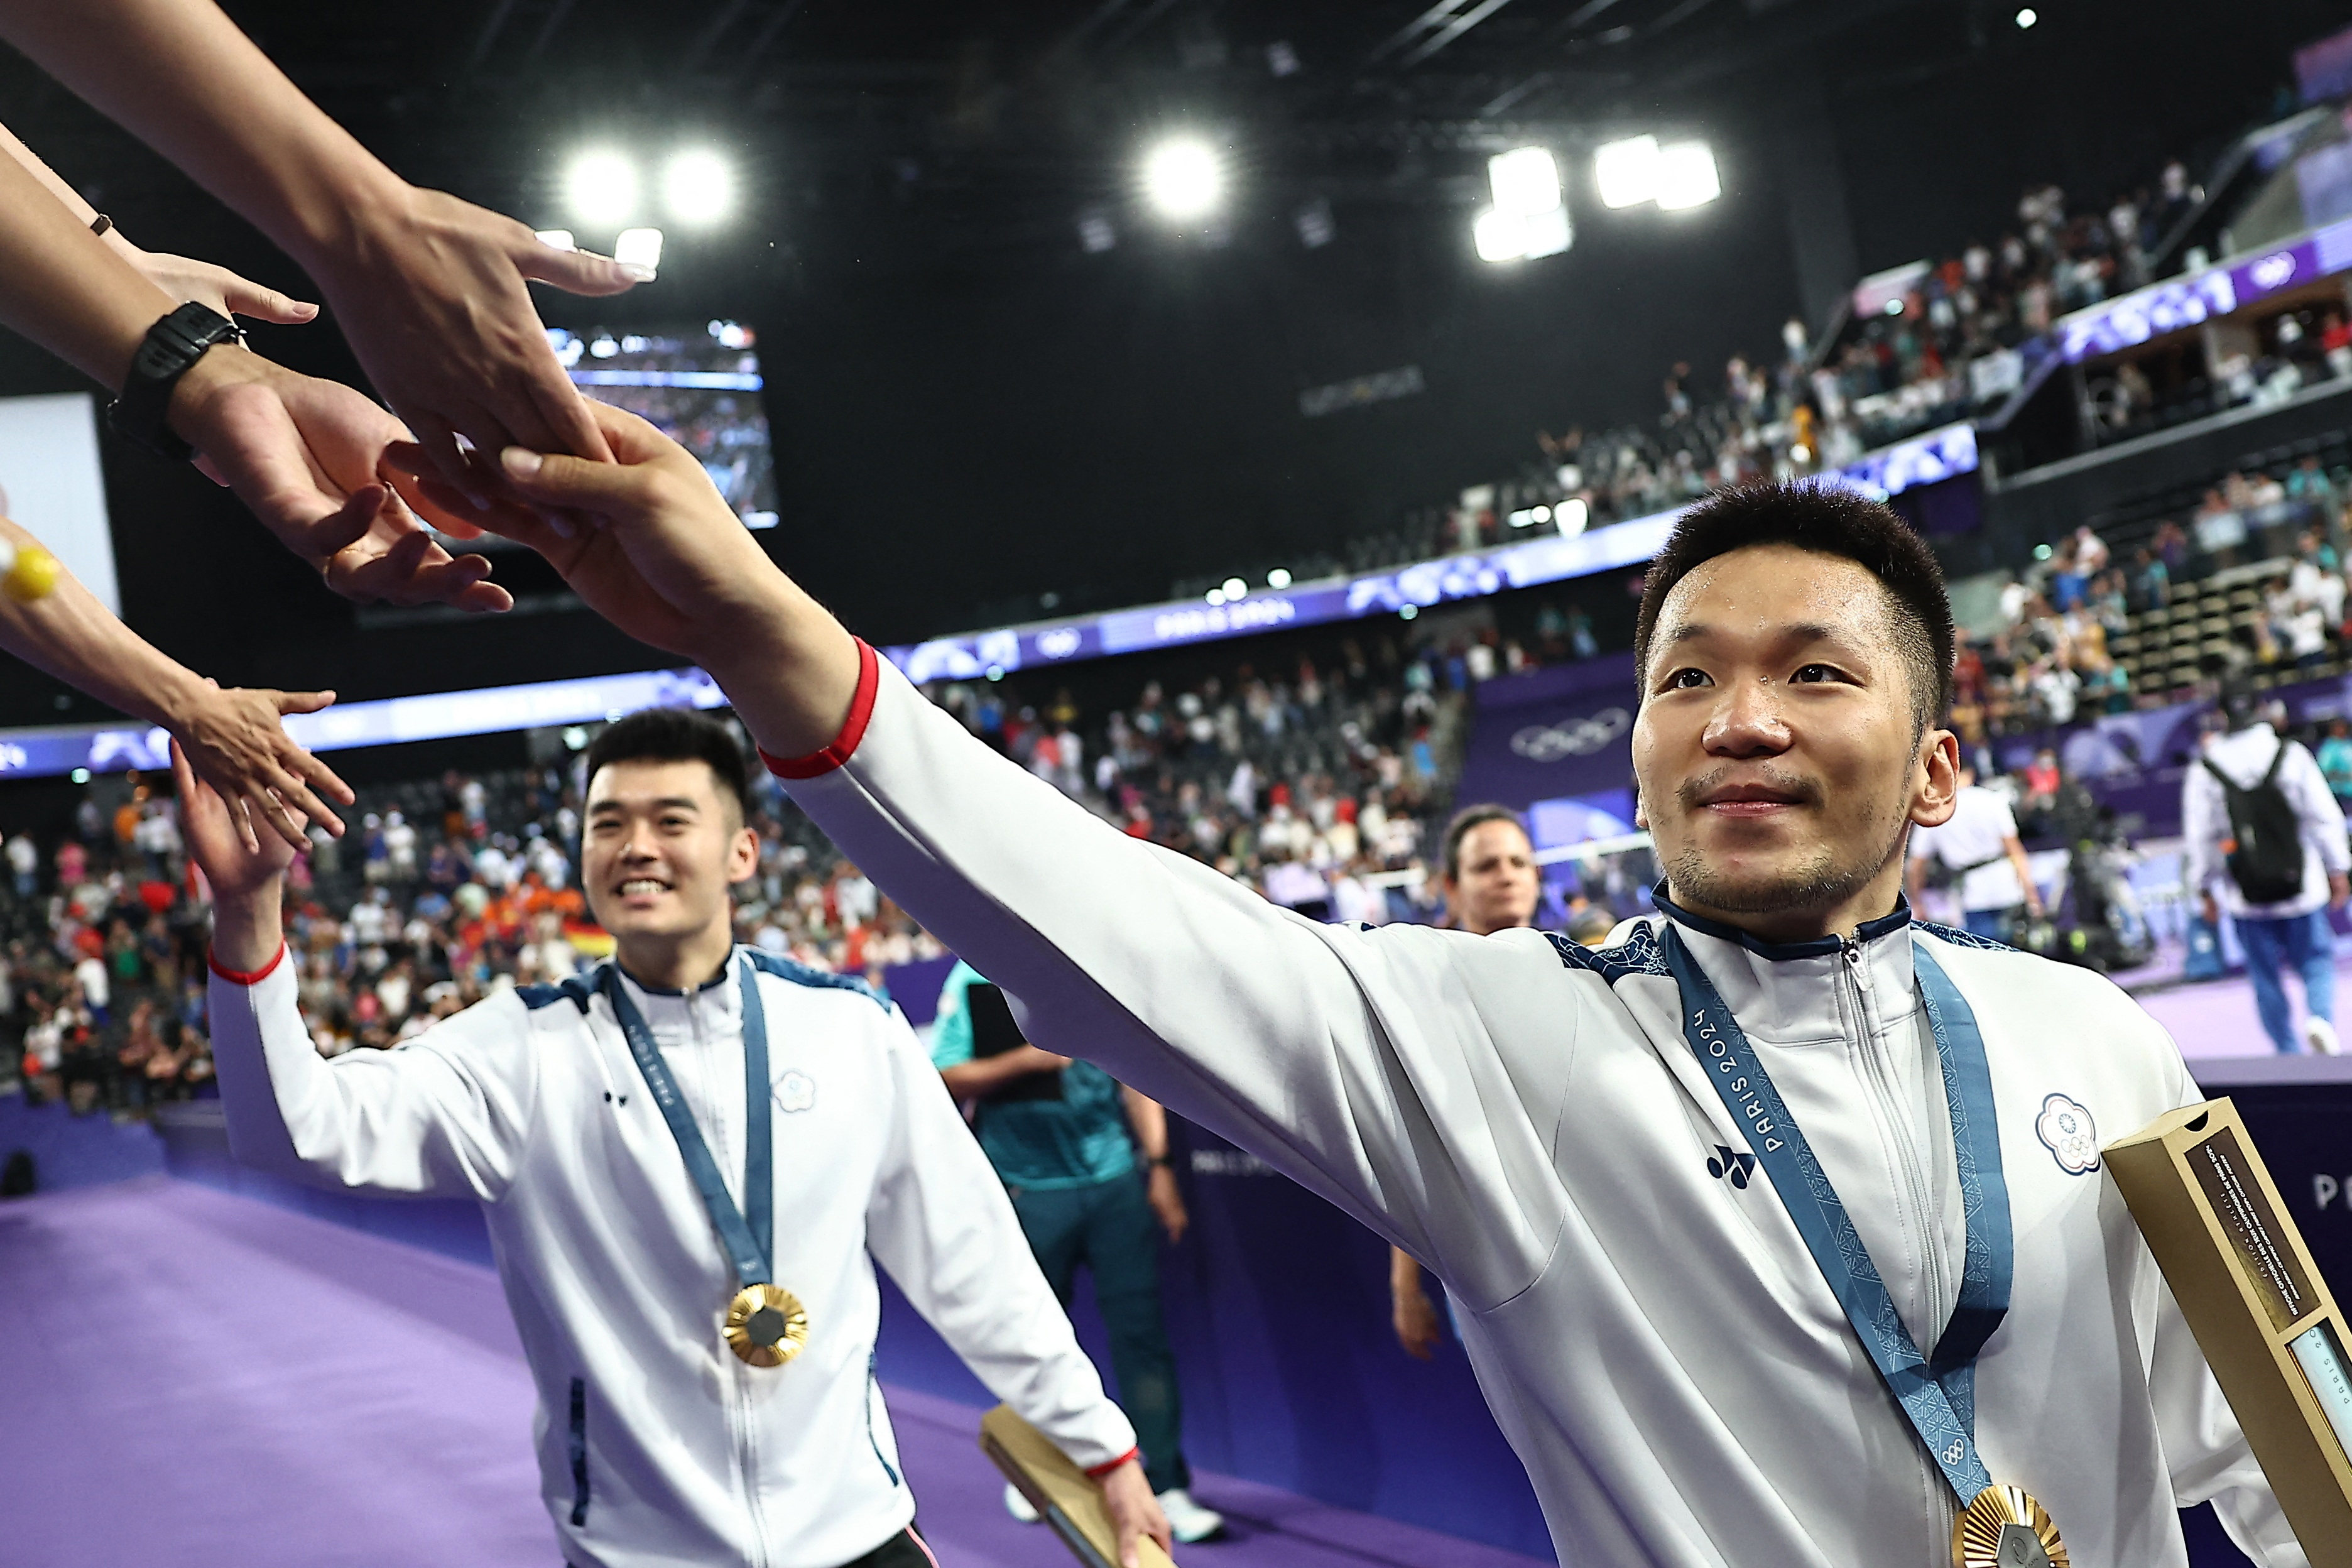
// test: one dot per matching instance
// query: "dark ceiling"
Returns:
(958, 391)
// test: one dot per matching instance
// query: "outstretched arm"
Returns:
(431, 291)
(302, 453)
(447, 1113)
(235, 735)
(1360, 1062)
(178, 276)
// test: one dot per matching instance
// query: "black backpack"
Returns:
(2265, 843)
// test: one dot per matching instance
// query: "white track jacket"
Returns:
(655, 1445)
(1527, 1118)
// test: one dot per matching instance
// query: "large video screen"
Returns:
(51, 484)
(702, 386)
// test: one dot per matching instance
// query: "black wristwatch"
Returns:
(171, 346)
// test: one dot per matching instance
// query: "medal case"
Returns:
(2260, 1310)
(1069, 1500)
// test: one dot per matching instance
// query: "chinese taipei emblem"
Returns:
(2065, 1128)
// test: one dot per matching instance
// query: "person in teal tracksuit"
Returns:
(1057, 1131)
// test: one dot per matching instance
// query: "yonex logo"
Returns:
(1726, 1165)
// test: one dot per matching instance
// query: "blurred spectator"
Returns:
(1978, 853)
(2262, 825)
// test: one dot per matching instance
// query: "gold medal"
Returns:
(2005, 1528)
(766, 1326)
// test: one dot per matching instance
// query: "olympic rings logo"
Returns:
(1571, 737)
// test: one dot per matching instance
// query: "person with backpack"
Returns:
(2262, 825)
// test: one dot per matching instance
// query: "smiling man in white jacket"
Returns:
(1713, 1342)
(689, 1161)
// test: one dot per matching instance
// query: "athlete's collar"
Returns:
(726, 968)
(1780, 952)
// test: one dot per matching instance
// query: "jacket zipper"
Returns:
(746, 1453)
(1879, 1079)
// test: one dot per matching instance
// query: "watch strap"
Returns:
(170, 347)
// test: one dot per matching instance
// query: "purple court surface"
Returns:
(201, 1380)
(2214, 1022)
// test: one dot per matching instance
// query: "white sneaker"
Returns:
(1018, 1506)
(2319, 1035)
(1187, 1519)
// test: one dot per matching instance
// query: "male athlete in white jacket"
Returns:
(657, 1445)
(1588, 1148)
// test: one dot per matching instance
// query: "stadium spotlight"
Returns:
(558, 239)
(1278, 578)
(2027, 18)
(639, 247)
(698, 187)
(1216, 596)
(1525, 181)
(1570, 516)
(1627, 171)
(1688, 176)
(1515, 236)
(1498, 236)
(1545, 233)
(1526, 220)
(1183, 177)
(601, 187)
(1235, 589)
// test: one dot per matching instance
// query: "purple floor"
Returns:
(2215, 1018)
(200, 1380)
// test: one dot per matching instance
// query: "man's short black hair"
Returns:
(675, 735)
(1831, 522)
(1465, 820)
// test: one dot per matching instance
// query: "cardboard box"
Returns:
(2257, 1304)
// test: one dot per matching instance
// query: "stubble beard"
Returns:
(1821, 881)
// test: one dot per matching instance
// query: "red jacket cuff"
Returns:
(853, 727)
(1098, 1472)
(257, 977)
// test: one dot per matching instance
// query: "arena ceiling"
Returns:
(998, 122)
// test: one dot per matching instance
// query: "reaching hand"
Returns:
(434, 302)
(661, 554)
(1134, 1513)
(184, 279)
(236, 741)
(307, 455)
(235, 864)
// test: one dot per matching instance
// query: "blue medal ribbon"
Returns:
(1938, 1395)
(747, 1234)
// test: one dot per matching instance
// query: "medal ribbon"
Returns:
(1939, 1396)
(749, 1238)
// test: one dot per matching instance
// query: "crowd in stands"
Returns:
(1946, 341)
(1314, 782)
(2077, 633)
(438, 895)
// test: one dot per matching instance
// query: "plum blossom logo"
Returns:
(795, 1091)
(2066, 1130)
